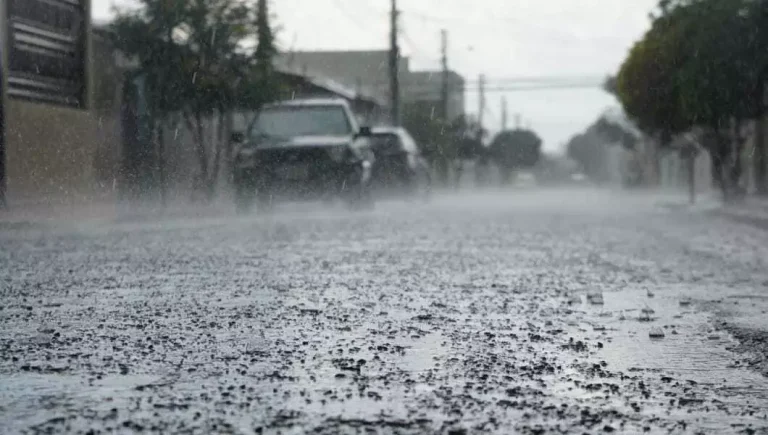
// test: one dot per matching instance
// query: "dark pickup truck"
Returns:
(310, 149)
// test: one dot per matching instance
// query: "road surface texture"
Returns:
(470, 314)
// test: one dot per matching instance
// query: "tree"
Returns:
(647, 85)
(702, 63)
(515, 149)
(260, 83)
(195, 58)
(722, 80)
(589, 154)
(147, 35)
(758, 41)
(213, 63)
(468, 135)
(433, 134)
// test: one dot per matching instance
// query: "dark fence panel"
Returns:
(47, 51)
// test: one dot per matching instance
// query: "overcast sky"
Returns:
(503, 39)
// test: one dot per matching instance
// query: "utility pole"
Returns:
(444, 61)
(394, 77)
(503, 113)
(517, 121)
(3, 46)
(481, 108)
(761, 159)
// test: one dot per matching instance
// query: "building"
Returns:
(59, 145)
(368, 71)
(76, 128)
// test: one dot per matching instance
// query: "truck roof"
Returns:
(310, 102)
(387, 129)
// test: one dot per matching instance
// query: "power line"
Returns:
(436, 93)
(531, 81)
(349, 16)
(424, 16)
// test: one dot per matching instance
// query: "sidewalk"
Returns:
(41, 214)
(750, 210)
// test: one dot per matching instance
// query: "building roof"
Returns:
(387, 129)
(331, 85)
(311, 102)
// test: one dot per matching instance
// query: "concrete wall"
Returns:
(57, 155)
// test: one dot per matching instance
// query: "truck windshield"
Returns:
(290, 121)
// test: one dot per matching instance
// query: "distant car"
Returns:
(399, 166)
(303, 150)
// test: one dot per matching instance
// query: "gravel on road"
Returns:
(470, 314)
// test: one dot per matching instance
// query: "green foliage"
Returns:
(615, 133)
(195, 59)
(260, 84)
(516, 149)
(428, 130)
(440, 140)
(647, 84)
(194, 55)
(443, 143)
(589, 154)
(703, 62)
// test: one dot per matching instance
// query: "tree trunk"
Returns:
(760, 157)
(229, 148)
(441, 167)
(720, 156)
(195, 125)
(161, 162)
(216, 165)
(691, 163)
(459, 169)
(737, 146)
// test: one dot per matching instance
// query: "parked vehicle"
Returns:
(399, 167)
(303, 150)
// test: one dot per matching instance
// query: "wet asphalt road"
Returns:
(467, 315)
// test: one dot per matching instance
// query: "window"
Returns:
(289, 121)
(47, 61)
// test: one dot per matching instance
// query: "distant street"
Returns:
(469, 314)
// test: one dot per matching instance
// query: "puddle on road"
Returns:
(691, 349)
(24, 395)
